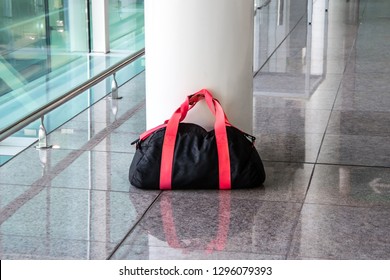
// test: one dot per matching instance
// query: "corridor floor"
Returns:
(322, 122)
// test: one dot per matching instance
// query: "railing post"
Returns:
(42, 136)
(309, 11)
(114, 88)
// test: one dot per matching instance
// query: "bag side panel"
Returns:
(247, 170)
(195, 164)
(144, 170)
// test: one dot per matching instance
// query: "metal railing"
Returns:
(40, 112)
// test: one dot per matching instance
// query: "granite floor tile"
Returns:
(118, 143)
(374, 64)
(285, 182)
(74, 169)
(36, 248)
(289, 84)
(115, 137)
(373, 32)
(97, 170)
(290, 120)
(9, 193)
(135, 88)
(364, 47)
(49, 213)
(330, 82)
(288, 147)
(127, 252)
(341, 232)
(374, 101)
(306, 65)
(285, 85)
(355, 150)
(75, 135)
(359, 123)
(219, 223)
(83, 135)
(366, 82)
(350, 185)
(318, 100)
(34, 166)
(332, 66)
(334, 52)
(135, 125)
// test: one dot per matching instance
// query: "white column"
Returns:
(195, 44)
(100, 26)
(77, 26)
(318, 38)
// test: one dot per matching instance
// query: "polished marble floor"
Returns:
(322, 122)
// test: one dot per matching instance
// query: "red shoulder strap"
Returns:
(220, 135)
(168, 150)
(222, 148)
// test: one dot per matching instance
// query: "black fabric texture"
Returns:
(195, 164)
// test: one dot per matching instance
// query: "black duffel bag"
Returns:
(179, 155)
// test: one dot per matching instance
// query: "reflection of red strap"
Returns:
(218, 243)
(220, 134)
(168, 222)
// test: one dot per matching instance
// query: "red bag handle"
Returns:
(218, 243)
(209, 100)
(188, 104)
(220, 134)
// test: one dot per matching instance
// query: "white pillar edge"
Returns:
(100, 26)
(197, 44)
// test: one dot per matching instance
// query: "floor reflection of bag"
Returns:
(178, 155)
(207, 231)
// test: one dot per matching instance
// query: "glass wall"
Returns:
(45, 51)
(126, 24)
(37, 37)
